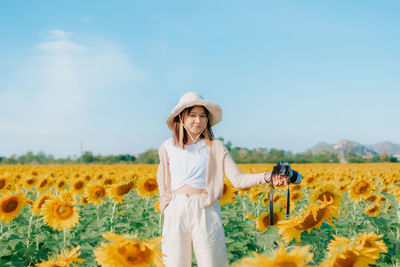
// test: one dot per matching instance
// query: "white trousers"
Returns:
(187, 226)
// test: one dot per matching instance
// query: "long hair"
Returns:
(180, 137)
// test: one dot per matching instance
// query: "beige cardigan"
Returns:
(219, 162)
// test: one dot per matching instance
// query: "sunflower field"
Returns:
(107, 215)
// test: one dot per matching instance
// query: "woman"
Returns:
(191, 180)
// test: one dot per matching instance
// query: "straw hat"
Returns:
(194, 99)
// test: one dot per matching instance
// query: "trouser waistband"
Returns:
(186, 196)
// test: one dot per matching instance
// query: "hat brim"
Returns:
(214, 116)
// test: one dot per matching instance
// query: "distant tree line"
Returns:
(239, 155)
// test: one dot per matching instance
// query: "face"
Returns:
(196, 120)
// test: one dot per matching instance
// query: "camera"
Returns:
(283, 168)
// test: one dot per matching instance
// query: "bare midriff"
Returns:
(187, 189)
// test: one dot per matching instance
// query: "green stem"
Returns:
(318, 238)
(159, 224)
(65, 239)
(97, 214)
(29, 229)
(244, 209)
(112, 217)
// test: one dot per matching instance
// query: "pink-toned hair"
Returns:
(180, 137)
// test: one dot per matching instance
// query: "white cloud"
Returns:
(56, 88)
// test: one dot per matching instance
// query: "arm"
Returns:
(237, 177)
(163, 178)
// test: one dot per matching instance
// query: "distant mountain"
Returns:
(342, 148)
(345, 146)
(388, 147)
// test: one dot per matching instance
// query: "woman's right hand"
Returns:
(279, 180)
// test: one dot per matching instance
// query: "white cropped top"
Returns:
(187, 166)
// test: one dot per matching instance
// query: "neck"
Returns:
(190, 141)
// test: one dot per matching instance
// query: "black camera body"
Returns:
(283, 168)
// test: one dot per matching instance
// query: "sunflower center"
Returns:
(328, 196)
(43, 183)
(266, 219)
(361, 188)
(368, 244)
(100, 192)
(373, 209)
(150, 185)
(78, 185)
(64, 211)
(61, 184)
(347, 260)
(132, 254)
(286, 264)
(41, 202)
(2, 183)
(310, 222)
(108, 182)
(372, 198)
(124, 189)
(30, 181)
(10, 204)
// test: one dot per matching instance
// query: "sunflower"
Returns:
(372, 197)
(109, 181)
(60, 185)
(373, 210)
(297, 257)
(262, 221)
(95, 192)
(37, 206)
(296, 187)
(311, 181)
(120, 190)
(371, 242)
(345, 252)
(313, 217)
(29, 182)
(254, 194)
(43, 184)
(265, 200)
(59, 213)
(78, 186)
(11, 205)
(360, 188)
(295, 196)
(6, 184)
(147, 187)
(228, 193)
(343, 187)
(122, 252)
(327, 191)
(64, 260)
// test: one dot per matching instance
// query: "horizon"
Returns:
(233, 146)
(286, 75)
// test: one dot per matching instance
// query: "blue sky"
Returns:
(287, 74)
